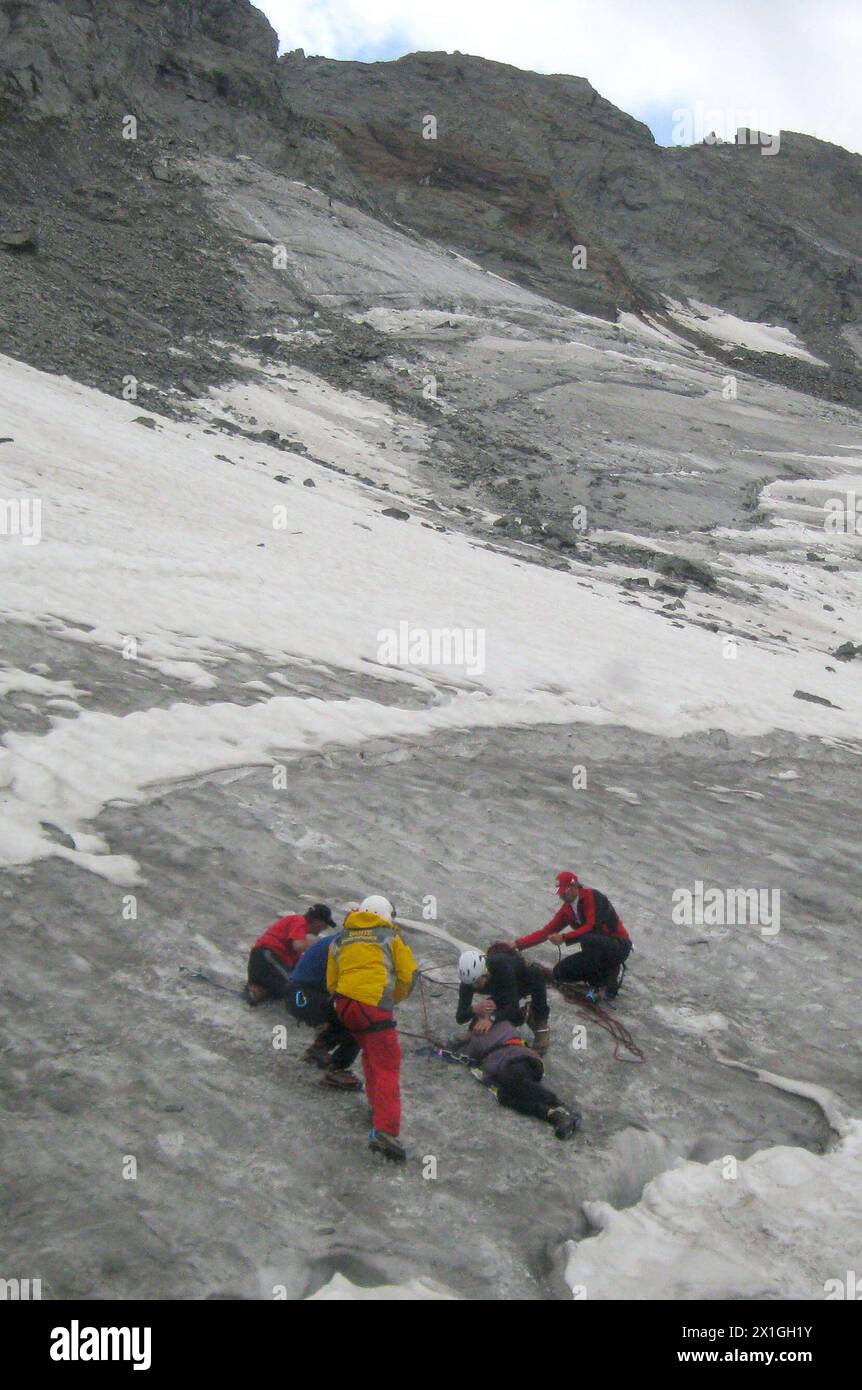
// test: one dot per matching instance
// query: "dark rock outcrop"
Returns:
(686, 571)
(522, 171)
(154, 58)
(847, 651)
(524, 167)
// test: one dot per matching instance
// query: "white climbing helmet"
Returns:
(471, 964)
(378, 904)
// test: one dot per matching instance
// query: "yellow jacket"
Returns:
(369, 962)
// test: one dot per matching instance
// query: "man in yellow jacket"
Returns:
(369, 971)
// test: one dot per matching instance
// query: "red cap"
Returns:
(566, 880)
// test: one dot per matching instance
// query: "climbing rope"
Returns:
(621, 1036)
(427, 1035)
(618, 1031)
(443, 984)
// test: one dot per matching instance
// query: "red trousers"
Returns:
(381, 1060)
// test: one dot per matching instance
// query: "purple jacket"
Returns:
(497, 1049)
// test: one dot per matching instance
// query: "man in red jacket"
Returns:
(592, 920)
(274, 954)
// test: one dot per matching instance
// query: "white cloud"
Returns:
(796, 60)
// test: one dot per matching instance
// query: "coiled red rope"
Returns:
(618, 1031)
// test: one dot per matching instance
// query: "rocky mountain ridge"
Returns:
(519, 170)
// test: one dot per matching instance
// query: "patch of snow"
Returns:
(776, 1229)
(648, 329)
(67, 776)
(829, 510)
(683, 1019)
(339, 1289)
(736, 332)
(10, 679)
(631, 797)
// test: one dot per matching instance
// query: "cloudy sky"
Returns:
(793, 64)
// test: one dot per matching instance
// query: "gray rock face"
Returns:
(521, 171)
(19, 241)
(65, 58)
(524, 167)
(516, 192)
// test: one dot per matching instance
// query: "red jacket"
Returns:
(279, 939)
(591, 911)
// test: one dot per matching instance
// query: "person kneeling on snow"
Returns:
(308, 1001)
(514, 1071)
(507, 979)
(274, 954)
(369, 971)
(605, 943)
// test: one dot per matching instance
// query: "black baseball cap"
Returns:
(320, 913)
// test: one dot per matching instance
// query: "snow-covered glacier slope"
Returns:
(156, 545)
(221, 698)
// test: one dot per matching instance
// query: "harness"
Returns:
(510, 1042)
(377, 1025)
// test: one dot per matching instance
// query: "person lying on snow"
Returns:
(274, 954)
(370, 970)
(308, 1001)
(593, 921)
(507, 979)
(514, 1071)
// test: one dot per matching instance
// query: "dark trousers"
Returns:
(528, 981)
(311, 1004)
(597, 962)
(539, 1011)
(519, 1088)
(266, 970)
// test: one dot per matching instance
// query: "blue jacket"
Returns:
(310, 969)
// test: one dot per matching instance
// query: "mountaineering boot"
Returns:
(341, 1080)
(386, 1144)
(565, 1121)
(317, 1055)
(611, 986)
(541, 1039)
